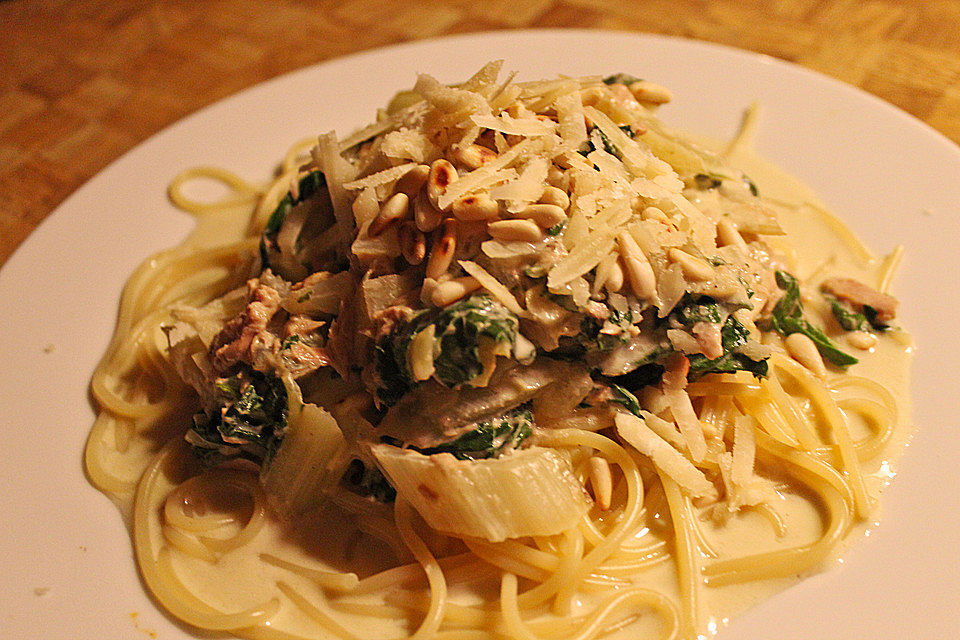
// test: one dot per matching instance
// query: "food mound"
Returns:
(546, 356)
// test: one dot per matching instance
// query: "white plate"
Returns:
(68, 568)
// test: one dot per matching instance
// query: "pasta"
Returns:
(514, 361)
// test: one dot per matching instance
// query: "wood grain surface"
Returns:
(83, 81)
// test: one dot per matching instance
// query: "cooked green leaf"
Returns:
(249, 419)
(272, 255)
(621, 78)
(368, 482)
(850, 320)
(458, 330)
(623, 397)
(788, 318)
(732, 335)
(491, 438)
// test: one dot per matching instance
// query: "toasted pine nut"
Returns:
(692, 266)
(473, 208)
(862, 340)
(413, 244)
(728, 235)
(654, 213)
(521, 230)
(425, 214)
(396, 207)
(803, 350)
(601, 481)
(643, 282)
(426, 290)
(544, 215)
(472, 157)
(412, 181)
(614, 280)
(650, 92)
(452, 290)
(442, 175)
(441, 255)
(555, 196)
(591, 95)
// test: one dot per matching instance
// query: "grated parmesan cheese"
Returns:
(493, 286)
(667, 459)
(381, 178)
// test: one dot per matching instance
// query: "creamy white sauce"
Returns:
(240, 579)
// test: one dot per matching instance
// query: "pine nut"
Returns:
(863, 340)
(425, 214)
(601, 273)
(555, 196)
(655, 213)
(442, 175)
(601, 481)
(472, 157)
(614, 280)
(396, 207)
(803, 350)
(591, 95)
(475, 208)
(441, 255)
(412, 181)
(452, 290)
(643, 282)
(650, 92)
(728, 235)
(544, 215)
(520, 230)
(413, 244)
(692, 266)
(426, 290)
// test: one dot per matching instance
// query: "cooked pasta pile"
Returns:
(514, 361)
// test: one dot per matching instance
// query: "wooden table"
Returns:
(83, 81)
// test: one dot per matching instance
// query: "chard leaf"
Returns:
(368, 482)
(491, 438)
(623, 397)
(789, 305)
(458, 330)
(621, 78)
(310, 185)
(691, 311)
(788, 318)
(248, 421)
(592, 340)
(850, 320)
(732, 335)
(827, 348)
(705, 181)
(608, 145)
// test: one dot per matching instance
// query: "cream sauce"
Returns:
(240, 579)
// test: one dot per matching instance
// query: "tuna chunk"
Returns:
(860, 296)
(248, 330)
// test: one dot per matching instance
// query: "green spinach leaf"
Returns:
(788, 318)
